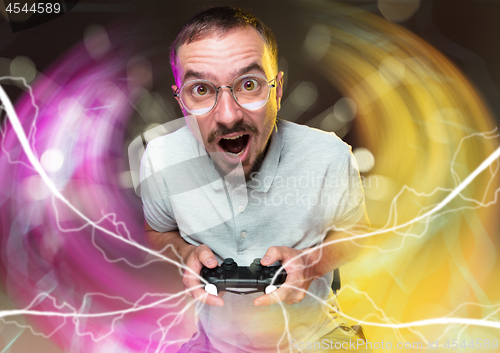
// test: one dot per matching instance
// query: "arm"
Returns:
(160, 242)
(334, 252)
(194, 257)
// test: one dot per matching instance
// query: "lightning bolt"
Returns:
(393, 324)
(18, 129)
(32, 132)
(428, 217)
(24, 140)
(79, 314)
(134, 307)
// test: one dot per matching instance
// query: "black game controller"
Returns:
(229, 276)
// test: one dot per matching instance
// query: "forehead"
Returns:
(224, 57)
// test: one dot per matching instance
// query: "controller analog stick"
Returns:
(256, 265)
(229, 264)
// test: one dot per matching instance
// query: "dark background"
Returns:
(467, 32)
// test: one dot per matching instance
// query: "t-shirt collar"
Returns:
(263, 179)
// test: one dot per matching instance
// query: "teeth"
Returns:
(233, 138)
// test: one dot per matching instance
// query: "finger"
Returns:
(279, 295)
(191, 290)
(191, 281)
(206, 256)
(272, 255)
(197, 290)
(296, 297)
(201, 295)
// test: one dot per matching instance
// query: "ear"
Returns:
(279, 89)
(174, 89)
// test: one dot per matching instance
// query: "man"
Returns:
(237, 182)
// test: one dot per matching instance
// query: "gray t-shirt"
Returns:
(307, 185)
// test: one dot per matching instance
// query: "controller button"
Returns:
(266, 271)
(272, 274)
(221, 277)
(219, 269)
(261, 277)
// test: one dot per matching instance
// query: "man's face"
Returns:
(229, 127)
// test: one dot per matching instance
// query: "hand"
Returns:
(195, 259)
(299, 275)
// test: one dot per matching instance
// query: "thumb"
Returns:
(206, 256)
(272, 255)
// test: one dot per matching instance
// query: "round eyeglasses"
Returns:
(251, 92)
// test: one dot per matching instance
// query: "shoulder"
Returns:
(302, 140)
(180, 137)
(172, 148)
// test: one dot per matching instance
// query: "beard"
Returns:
(223, 167)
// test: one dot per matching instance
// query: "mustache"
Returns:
(239, 127)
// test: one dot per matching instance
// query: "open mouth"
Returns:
(235, 145)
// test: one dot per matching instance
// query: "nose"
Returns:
(227, 112)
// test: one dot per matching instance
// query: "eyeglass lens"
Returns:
(200, 96)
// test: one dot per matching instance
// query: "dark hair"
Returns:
(220, 19)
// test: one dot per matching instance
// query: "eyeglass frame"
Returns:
(270, 85)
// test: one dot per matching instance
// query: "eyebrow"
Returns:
(191, 74)
(195, 75)
(251, 67)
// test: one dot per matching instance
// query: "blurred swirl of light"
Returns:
(24, 67)
(419, 117)
(427, 128)
(53, 260)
